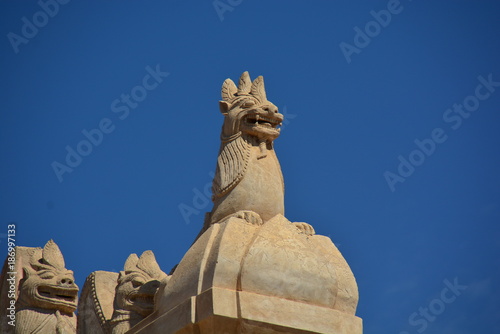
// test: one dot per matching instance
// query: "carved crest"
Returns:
(146, 263)
(135, 290)
(247, 111)
(48, 294)
(246, 87)
(51, 255)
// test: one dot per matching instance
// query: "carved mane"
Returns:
(134, 300)
(234, 153)
(47, 293)
(232, 163)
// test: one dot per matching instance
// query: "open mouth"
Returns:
(58, 294)
(145, 300)
(263, 121)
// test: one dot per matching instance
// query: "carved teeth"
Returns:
(264, 121)
(142, 298)
(57, 294)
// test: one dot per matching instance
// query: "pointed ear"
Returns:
(258, 89)
(131, 263)
(52, 255)
(245, 83)
(147, 263)
(228, 90)
(224, 107)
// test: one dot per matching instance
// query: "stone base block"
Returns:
(245, 278)
(222, 311)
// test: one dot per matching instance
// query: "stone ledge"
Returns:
(221, 311)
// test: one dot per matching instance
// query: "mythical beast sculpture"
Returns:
(251, 270)
(137, 285)
(47, 294)
(112, 303)
(248, 183)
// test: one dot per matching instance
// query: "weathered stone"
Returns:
(95, 307)
(45, 293)
(244, 278)
(112, 303)
(251, 270)
(248, 175)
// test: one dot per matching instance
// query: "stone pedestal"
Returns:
(243, 278)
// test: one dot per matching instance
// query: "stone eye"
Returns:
(47, 275)
(137, 283)
(248, 104)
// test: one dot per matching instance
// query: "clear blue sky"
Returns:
(357, 95)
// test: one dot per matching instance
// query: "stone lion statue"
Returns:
(248, 182)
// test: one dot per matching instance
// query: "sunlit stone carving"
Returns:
(250, 269)
(46, 291)
(113, 303)
(248, 183)
(137, 285)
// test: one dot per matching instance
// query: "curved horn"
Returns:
(131, 263)
(258, 89)
(52, 255)
(228, 90)
(244, 85)
(147, 263)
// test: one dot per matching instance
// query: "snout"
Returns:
(67, 281)
(272, 109)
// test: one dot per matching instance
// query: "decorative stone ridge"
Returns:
(95, 307)
(45, 293)
(113, 303)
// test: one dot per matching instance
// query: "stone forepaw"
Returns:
(250, 216)
(305, 228)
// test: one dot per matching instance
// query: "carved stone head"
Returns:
(247, 110)
(137, 284)
(47, 284)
